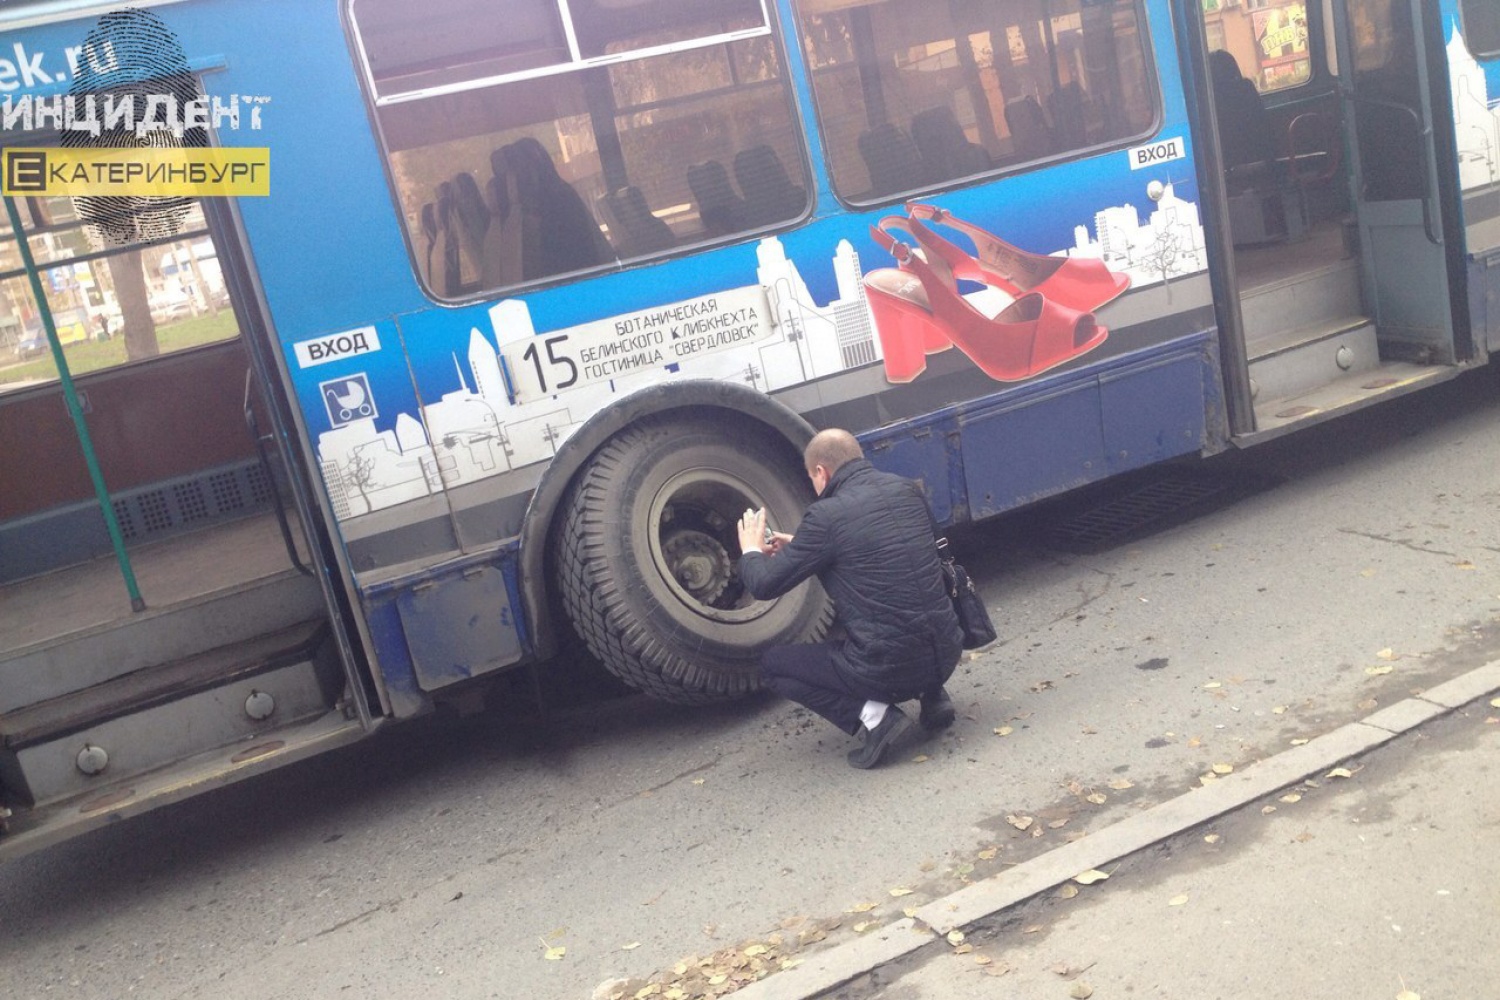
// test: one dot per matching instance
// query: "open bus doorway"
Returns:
(1325, 119)
(148, 637)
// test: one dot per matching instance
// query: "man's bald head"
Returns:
(831, 449)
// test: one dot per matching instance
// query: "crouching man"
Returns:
(869, 540)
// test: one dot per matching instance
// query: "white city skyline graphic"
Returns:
(1476, 118)
(475, 431)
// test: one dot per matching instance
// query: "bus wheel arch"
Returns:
(741, 446)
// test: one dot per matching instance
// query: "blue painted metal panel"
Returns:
(459, 626)
(1152, 413)
(920, 454)
(1041, 445)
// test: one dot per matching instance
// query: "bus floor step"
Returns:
(142, 721)
(25, 830)
(1275, 416)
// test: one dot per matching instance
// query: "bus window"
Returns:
(1481, 27)
(912, 95)
(1267, 38)
(544, 138)
(110, 304)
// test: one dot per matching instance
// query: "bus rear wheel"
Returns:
(648, 551)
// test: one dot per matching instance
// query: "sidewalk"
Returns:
(1383, 884)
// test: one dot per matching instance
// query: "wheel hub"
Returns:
(699, 563)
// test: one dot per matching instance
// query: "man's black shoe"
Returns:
(881, 739)
(937, 711)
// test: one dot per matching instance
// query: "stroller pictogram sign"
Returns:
(348, 399)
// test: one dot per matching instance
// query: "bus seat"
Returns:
(720, 208)
(1029, 131)
(1068, 106)
(558, 232)
(770, 195)
(473, 214)
(634, 229)
(891, 158)
(449, 276)
(945, 149)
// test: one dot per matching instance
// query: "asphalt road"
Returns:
(450, 856)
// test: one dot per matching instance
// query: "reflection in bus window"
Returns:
(659, 124)
(110, 305)
(912, 94)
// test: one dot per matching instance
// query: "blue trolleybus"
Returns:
(544, 293)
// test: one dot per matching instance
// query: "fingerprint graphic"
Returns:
(132, 54)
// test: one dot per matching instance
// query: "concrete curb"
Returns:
(838, 965)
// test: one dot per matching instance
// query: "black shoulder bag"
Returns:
(973, 617)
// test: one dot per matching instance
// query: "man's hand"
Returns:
(753, 532)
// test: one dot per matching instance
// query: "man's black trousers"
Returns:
(805, 674)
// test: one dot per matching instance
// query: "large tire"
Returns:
(647, 555)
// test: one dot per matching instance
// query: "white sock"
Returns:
(873, 713)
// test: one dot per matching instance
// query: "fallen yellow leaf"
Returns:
(920, 758)
(963, 949)
(1407, 995)
(862, 908)
(1020, 822)
(718, 979)
(1223, 769)
(756, 949)
(1495, 702)
(1340, 772)
(1299, 743)
(1004, 731)
(1211, 685)
(902, 890)
(955, 938)
(1267, 810)
(982, 960)
(1279, 710)
(632, 946)
(1090, 877)
(1120, 784)
(650, 991)
(555, 953)
(865, 925)
(988, 854)
(1212, 838)
(1384, 668)
(1463, 565)
(1177, 900)
(1081, 991)
(1291, 797)
(1097, 798)
(1067, 891)
(675, 993)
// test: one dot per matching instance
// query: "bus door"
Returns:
(1335, 256)
(1389, 106)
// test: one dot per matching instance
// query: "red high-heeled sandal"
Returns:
(920, 302)
(1081, 283)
